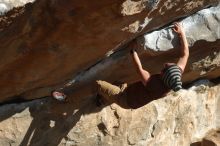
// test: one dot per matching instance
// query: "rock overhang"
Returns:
(36, 55)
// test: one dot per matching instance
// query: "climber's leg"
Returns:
(110, 92)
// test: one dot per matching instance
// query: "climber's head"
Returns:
(171, 76)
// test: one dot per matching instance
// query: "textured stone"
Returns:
(53, 41)
(6, 5)
(51, 44)
(212, 139)
(179, 119)
(204, 25)
(207, 64)
(203, 62)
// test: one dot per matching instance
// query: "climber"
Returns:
(150, 87)
(171, 73)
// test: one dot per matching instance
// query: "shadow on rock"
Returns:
(52, 121)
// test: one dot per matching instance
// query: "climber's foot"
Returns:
(59, 96)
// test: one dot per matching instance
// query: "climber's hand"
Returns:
(178, 28)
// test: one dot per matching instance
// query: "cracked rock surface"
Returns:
(179, 119)
(160, 46)
(50, 44)
(53, 41)
(204, 25)
(7, 5)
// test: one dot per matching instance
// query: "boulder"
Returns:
(55, 44)
(6, 5)
(157, 48)
(179, 119)
(49, 43)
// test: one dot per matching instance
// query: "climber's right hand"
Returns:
(178, 28)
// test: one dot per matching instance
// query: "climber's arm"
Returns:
(184, 46)
(145, 75)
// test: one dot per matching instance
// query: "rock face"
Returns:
(6, 5)
(204, 25)
(180, 119)
(162, 46)
(54, 44)
(53, 41)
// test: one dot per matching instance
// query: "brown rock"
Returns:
(177, 120)
(53, 40)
